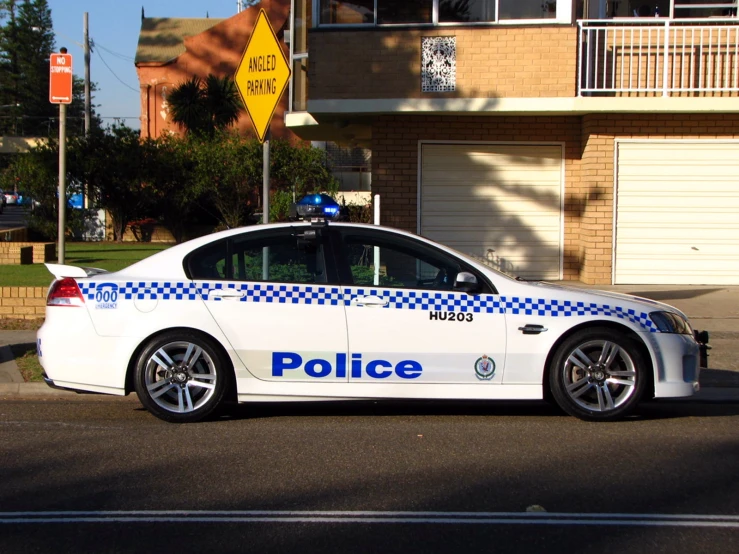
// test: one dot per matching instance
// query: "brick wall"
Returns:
(42, 251)
(501, 61)
(10, 254)
(23, 302)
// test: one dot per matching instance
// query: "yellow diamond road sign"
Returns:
(262, 75)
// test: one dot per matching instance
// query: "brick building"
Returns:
(555, 139)
(172, 50)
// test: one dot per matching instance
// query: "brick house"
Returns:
(556, 139)
(172, 50)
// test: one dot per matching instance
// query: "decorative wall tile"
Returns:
(438, 64)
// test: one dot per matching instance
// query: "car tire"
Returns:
(598, 375)
(181, 377)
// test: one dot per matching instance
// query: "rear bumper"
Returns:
(53, 385)
(76, 358)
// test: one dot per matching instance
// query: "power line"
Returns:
(111, 52)
(69, 38)
(114, 73)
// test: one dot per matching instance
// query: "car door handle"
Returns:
(226, 293)
(530, 329)
(369, 301)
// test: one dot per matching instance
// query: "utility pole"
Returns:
(88, 99)
(86, 46)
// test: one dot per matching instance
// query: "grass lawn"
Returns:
(27, 361)
(105, 255)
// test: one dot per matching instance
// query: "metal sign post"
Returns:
(62, 180)
(265, 202)
(60, 92)
(261, 78)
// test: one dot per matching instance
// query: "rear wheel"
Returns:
(181, 377)
(598, 375)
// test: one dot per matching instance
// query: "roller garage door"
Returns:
(677, 217)
(501, 203)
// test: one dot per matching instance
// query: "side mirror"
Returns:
(466, 282)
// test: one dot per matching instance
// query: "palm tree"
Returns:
(204, 106)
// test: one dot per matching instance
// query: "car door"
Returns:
(406, 323)
(277, 301)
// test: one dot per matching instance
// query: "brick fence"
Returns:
(23, 302)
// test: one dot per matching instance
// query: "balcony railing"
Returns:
(658, 57)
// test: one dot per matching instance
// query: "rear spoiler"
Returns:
(60, 271)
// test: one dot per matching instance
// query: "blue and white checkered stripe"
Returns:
(144, 291)
(282, 294)
(435, 301)
(457, 302)
(397, 299)
(566, 308)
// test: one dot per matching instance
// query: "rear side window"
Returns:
(208, 262)
(286, 256)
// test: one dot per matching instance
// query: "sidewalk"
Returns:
(11, 381)
(711, 308)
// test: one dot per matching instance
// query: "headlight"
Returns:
(668, 322)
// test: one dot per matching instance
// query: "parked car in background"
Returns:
(27, 201)
(2, 200)
(11, 197)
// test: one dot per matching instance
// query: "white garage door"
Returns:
(677, 220)
(501, 203)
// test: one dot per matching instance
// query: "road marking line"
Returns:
(371, 517)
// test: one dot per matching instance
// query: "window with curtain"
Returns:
(466, 11)
(337, 12)
(527, 9)
(407, 11)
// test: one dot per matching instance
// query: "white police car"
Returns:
(305, 311)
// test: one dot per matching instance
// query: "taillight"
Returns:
(65, 292)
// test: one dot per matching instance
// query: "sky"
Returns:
(114, 30)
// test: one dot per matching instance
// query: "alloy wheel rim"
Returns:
(180, 377)
(599, 376)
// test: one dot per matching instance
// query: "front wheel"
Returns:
(180, 377)
(598, 375)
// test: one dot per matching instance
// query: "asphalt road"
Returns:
(13, 216)
(96, 474)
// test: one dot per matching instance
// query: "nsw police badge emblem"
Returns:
(485, 368)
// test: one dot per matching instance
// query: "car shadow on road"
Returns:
(652, 410)
(386, 408)
(719, 378)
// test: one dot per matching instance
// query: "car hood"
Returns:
(589, 294)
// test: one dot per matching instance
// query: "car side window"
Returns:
(287, 256)
(377, 259)
(208, 262)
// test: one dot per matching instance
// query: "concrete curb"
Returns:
(33, 389)
(8, 368)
